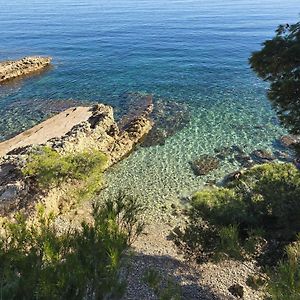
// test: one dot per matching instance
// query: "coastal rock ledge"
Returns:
(74, 130)
(27, 65)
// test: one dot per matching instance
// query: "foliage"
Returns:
(279, 63)
(229, 240)
(284, 283)
(169, 291)
(264, 203)
(36, 262)
(48, 168)
(256, 281)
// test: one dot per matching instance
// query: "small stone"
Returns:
(236, 290)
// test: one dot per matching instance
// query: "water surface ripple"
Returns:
(192, 51)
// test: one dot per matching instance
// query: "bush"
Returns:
(49, 168)
(168, 291)
(229, 240)
(38, 263)
(284, 282)
(265, 202)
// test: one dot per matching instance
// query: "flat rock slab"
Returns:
(16, 68)
(55, 127)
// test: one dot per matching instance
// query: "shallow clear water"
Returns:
(194, 52)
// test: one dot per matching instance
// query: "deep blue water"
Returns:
(178, 49)
(192, 51)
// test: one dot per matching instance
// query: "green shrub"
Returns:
(256, 281)
(38, 263)
(265, 202)
(229, 241)
(49, 168)
(284, 282)
(168, 291)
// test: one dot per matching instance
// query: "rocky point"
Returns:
(15, 68)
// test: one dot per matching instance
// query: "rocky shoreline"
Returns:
(74, 130)
(15, 68)
(81, 128)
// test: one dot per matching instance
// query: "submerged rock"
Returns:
(289, 140)
(262, 156)
(21, 67)
(238, 150)
(205, 164)
(283, 156)
(135, 105)
(244, 160)
(223, 152)
(168, 116)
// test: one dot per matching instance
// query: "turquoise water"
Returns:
(192, 52)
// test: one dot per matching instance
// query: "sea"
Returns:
(191, 55)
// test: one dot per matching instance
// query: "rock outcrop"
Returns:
(74, 130)
(25, 66)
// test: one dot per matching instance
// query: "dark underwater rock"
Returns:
(289, 140)
(168, 116)
(244, 160)
(262, 156)
(237, 149)
(284, 156)
(204, 164)
(223, 152)
(134, 105)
